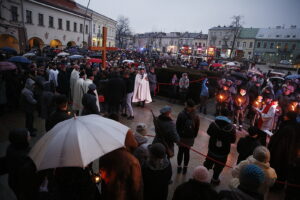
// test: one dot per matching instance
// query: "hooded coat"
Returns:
(204, 89)
(270, 174)
(195, 190)
(283, 147)
(156, 176)
(141, 90)
(222, 135)
(28, 101)
(21, 170)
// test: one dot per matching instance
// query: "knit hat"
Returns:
(165, 109)
(262, 154)
(157, 150)
(200, 174)
(141, 128)
(251, 177)
(92, 87)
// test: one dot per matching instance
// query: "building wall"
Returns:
(247, 46)
(46, 33)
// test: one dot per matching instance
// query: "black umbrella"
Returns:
(239, 76)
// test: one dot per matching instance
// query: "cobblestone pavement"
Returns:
(16, 119)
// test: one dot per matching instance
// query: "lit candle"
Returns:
(69, 113)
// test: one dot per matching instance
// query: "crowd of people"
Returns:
(62, 88)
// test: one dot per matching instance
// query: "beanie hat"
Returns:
(165, 109)
(262, 154)
(92, 87)
(157, 150)
(200, 174)
(251, 177)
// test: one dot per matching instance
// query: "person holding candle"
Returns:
(240, 104)
(223, 100)
(257, 104)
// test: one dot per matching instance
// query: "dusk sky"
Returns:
(197, 15)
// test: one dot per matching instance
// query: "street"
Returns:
(16, 119)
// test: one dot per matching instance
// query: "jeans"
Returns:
(128, 103)
(183, 152)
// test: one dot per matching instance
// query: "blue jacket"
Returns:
(204, 89)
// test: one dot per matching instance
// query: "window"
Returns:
(203, 45)
(28, 17)
(278, 36)
(41, 19)
(231, 43)
(250, 44)
(51, 24)
(278, 45)
(238, 44)
(94, 28)
(75, 27)
(244, 44)
(258, 44)
(286, 46)
(81, 28)
(288, 36)
(60, 24)
(265, 45)
(86, 29)
(196, 43)
(294, 36)
(272, 45)
(220, 42)
(68, 25)
(14, 13)
(293, 46)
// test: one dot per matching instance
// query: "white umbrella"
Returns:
(128, 61)
(231, 64)
(63, 54)
(29, 54)
(77, 142)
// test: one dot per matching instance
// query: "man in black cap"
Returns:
(165, 129)
(60, 114)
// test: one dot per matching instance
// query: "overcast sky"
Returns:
(197, 15)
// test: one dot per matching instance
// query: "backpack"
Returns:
(189, 128)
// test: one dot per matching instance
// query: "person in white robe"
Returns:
(73, 78)
(141, 93)
(78, 93)
(87, 82)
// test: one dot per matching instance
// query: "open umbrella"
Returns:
(29, 54)
(217, 65)
(293, 76)
(77, 142)
(19, 59)
(204, 64)
(63, 54)
(239, 76)
(41, 59)
(127, 61)
(5, 66)
(76, 57)
(230, 64)
(8, 50)
(94, 60)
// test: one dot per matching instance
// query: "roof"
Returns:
(222, 28)
(66, 5)
(279, 33)
(248, 32)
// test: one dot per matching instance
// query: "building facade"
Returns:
(245, 43)
(275, 44)
(58, 23)
(173, 42)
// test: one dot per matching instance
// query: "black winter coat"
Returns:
(222, 135)
(246, 146)
(63, 83)
(55, 118)
(195, 190)
(116, 90)
(89, 104)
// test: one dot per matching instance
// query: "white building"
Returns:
(58, 23)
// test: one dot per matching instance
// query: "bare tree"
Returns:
(237, 25)
(123, 31)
